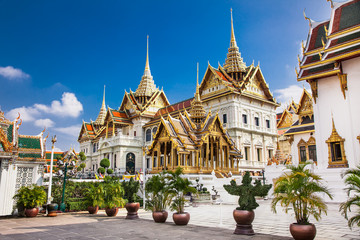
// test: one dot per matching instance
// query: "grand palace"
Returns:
(228, 127)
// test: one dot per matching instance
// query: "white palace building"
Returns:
(238, 94)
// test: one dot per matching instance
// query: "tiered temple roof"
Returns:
(22, 147)
(330, 42)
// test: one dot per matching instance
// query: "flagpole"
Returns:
(144, 178)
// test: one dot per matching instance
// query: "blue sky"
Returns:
(56, 56)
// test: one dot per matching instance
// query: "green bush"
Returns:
(83, 165)
(105, 163)
(76, 204)
(82, 156)
(101, 170)
(109, 171)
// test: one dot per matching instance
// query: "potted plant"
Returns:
(299, 190)
(158, 197)
(178, 187)
(352, 180)
(94, 198)
(30, 198)
(244, 214)
(113, 198)
(131, 187)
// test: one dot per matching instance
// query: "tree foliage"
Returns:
(82, 156)
(157, 194)
(178, 187)
(247, 192)
(300, 190)
(131, 188)
(105, 163)
(30, 197)
(352, 181)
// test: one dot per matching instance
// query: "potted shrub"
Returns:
(158, 197)
(299, 190)
(30, 198)
(131, 187)
(352, 180)
(178, 187)
(113, 198)
(244, 214)
(94, 198)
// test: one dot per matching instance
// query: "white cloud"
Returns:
(12, 73)
(27, 114)
(47, 123)
(71, 130)
(68, 107)
(286, 95)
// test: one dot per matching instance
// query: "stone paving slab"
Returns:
(206, 222)
(84, 226)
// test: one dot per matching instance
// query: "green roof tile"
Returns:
(33, 143)
(29, 155)
(10, 132)
(350, 16)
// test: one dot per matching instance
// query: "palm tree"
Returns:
(353, 182)
(299, 189)
(178, 187)
(157, 194)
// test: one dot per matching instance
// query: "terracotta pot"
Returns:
(93, 210)
(160, 217)
(181, 218)
(243, 220)
(52, 209)
(132, 209)
(111, 211)
(31, 212)
(303, 232)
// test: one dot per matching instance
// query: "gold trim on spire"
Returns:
(147, 86)
(234, 62)
(233, 40)
(102, 114)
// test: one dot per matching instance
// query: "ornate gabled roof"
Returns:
(252, 85)
(329, 43)
(118, 117)
(305, 107)
(234, 62)
(88, 131)
(285, 120)
(147, 86)
(185, 137)
(101, 117)
(30, 147)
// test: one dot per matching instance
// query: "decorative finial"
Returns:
(306, 18)
(302, 46)
(297, 73)
(232, 41)
(147, 66)
(326, 31)
(322, 42)
(331, 3)
(103, 103)
(298, 58)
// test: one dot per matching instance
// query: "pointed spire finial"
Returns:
(147, 66)
(103, 103)
(232, 41)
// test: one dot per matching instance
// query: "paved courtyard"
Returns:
(207, 222)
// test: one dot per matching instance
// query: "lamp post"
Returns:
(62, 204)
(53, 140)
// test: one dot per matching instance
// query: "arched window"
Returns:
(148, 135)
(154, 130)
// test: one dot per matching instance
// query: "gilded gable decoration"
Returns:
(343, 83)
(336, 150)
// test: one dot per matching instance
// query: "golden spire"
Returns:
(197, 94)
(147, 86)
(147, 66)
(233, 62)
(197, 110)
(232, 40)
(102, 114)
